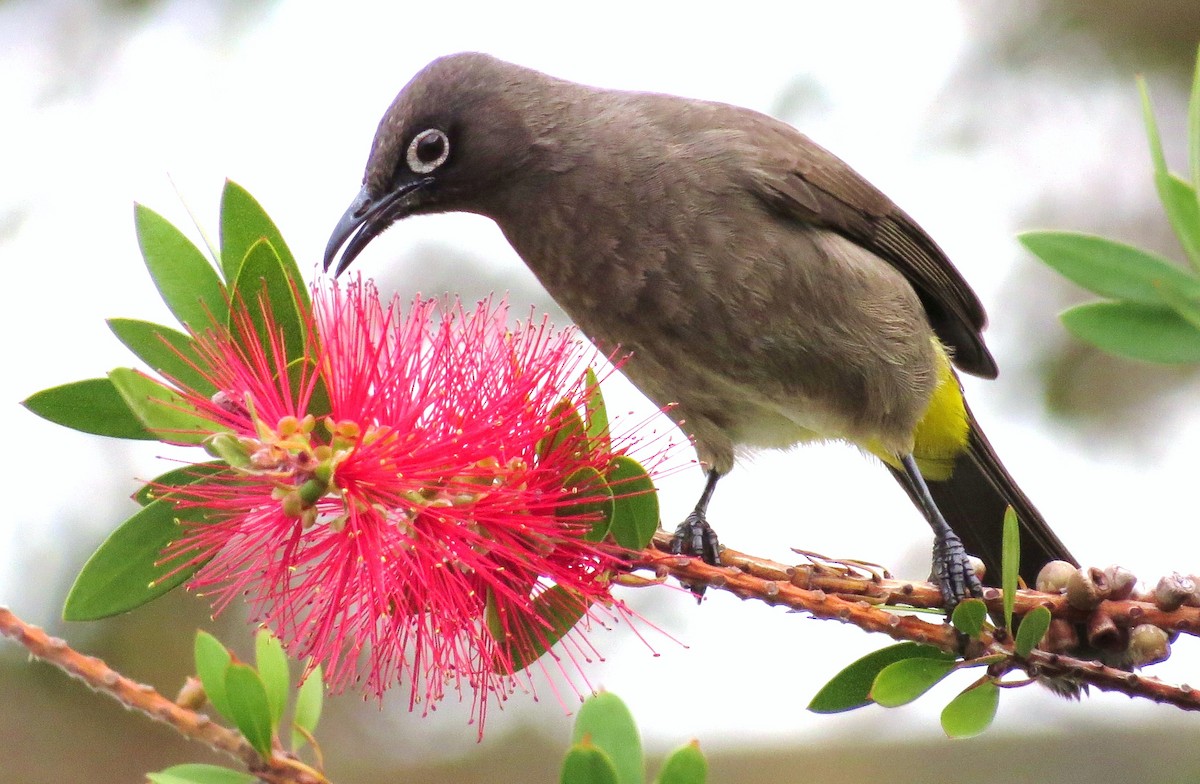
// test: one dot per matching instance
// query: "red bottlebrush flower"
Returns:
(392, 506)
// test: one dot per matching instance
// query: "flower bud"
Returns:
(1121, 582)
(1086, 588)
(191, 695)
(1053, 577)
(1148, 644)
(1172, 591)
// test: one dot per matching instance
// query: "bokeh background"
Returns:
(980, 118)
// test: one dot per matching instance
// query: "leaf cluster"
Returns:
(1151, 306)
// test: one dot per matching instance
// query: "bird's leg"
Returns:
(952, 568)
(695, 536)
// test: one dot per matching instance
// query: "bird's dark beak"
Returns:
(366, 219)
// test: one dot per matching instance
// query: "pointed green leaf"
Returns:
(167, 351)
(1193, 129)
(586, 764)
(188, 284)
(273, 669)
(91, 406)
(566, 428)
(250, 708)
(1032, 630)
(851, 688)
(1010, 563)
(604, 719)
(596, 412)
(1110, 269)
(972, 711)
(1188, 308)
(685, 765)
(1177, 197)
(243, 223)
(902, 682)
(1183, 210)
(309, 700)
(200, 774)
(968, 617)
(212, 663)
(635, 515)
(596, 504)
(160, 409)
(125, 572)
(176, 477)
(1128, 329)
(262, 284)
(523, 641)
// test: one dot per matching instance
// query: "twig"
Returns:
(143, 697)
(855, 594)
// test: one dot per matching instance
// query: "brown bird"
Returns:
(758, 283)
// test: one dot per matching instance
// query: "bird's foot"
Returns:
(695, 537)
(954, 572)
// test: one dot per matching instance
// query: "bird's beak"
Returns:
(366, 219)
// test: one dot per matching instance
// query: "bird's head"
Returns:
(452, 140)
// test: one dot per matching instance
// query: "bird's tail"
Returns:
(973, 500)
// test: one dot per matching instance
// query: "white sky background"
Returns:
(288, 108)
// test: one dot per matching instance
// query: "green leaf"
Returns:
(165, 350)
(302, 370)
(969, 616)
(1183, 210)
(1177, 197)
(188, 284)
(243, 223)
(1151, 334)
(596, 413)
(586, 764)
(176, 477)
(523, 641)
(1111, 269)
(604, 719)
(685, 765)
(596, 505)
(1193, 126)
(1187, 307)
(851, 688)
(309, 700)
(125, 571)
(92, 406)
(566, 427)
(160, 409)
(1010, 563)
(249, 706)
(273, 669)
(1032, 630)
(635, 514)
(200, 774)
(212, 663)
(902, 682)
(263, 284)
(972, 711)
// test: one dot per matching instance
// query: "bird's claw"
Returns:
(695, 537)
(954, 572)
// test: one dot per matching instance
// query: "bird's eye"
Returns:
(427, 151)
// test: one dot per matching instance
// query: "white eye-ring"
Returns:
(427, 151)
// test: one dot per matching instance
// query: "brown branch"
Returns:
(280, 769)
(858, 594)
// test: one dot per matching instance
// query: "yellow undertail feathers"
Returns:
(942, 434)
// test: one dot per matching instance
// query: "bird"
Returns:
(761, 290)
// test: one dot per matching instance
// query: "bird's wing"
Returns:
(805, 182)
